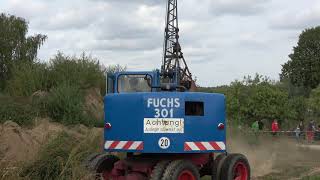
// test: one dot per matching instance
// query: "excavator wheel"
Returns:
(88, 160)
(235, 167)
(218, 162)
(102, 166)
(158, 170)
(181, 170)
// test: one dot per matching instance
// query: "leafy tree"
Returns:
(314, 102)
(115, 68)
(258, 97)
(303, 68)
(15, 45)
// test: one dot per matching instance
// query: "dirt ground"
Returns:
(22, 144)
(278, 157)
(18, 144)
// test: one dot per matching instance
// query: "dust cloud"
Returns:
(267, 154)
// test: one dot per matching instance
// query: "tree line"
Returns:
(296, 96)
(63, 79)
(57, 88)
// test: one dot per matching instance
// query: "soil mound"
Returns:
(20, 144)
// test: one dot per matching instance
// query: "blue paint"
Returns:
(126, 113)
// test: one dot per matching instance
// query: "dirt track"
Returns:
(278, 158)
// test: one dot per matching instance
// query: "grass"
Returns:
(62, 158)
(312, 178)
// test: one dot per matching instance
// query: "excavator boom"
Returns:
(174, 68)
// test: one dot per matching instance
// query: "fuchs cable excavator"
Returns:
(157, 128)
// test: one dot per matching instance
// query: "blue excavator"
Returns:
(157, 127)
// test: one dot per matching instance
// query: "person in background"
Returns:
(274, 127)
(255, 129)
(317, 134)
(255, 126)
(260, 123)
(297, 132)
(301, 127)
(310, 131)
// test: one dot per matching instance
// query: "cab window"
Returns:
(110, 85)
(134, 83)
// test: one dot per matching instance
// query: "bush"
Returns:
(65, 104)
(62, 158)
(19, 110)
(66, 78)
(28, 78)
(259, 98)
(84, 72)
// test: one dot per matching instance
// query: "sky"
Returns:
(222, 40)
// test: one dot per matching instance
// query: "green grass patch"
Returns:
(312, 178)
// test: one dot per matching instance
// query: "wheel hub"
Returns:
(186, 175)
(240, 171)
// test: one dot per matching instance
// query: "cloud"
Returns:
(148, 2)
(302, 19)
(33, 8)
(143, 23)
(237, 7)
(123, 45)
(221, 39)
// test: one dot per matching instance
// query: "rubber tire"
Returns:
(206, 169)
(174, 169)
(103, 162)
(216, 170)
(229, 163)
(159, 170)
(88, 160)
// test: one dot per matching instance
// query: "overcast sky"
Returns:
(222, 40)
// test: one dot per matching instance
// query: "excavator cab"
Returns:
(132, 82)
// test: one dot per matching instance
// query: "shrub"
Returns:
(19, 110)
(27, 78)
(65, 104)
(84, 72)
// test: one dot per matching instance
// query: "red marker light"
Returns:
(221, 126)
(107, 126)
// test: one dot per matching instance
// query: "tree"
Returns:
(303, 68)
(15, 46)
(314, 102)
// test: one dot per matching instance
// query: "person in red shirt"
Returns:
(274, 127)
(311, 131)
